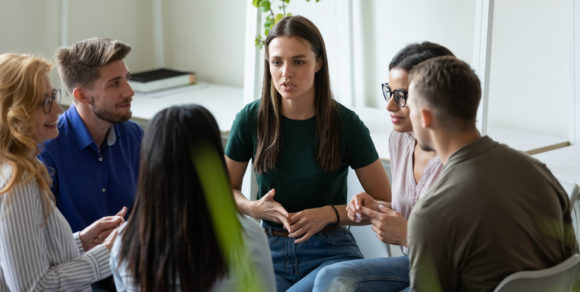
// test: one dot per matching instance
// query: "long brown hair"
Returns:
(269, 113)
(169, 237)
(22, 83)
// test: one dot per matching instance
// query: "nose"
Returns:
(55, 108)
(287, 71)
(128, 91)
(392, 106)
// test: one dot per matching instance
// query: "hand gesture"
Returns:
(389, 225)
(308, 222)
(358, 201)
(101, 229)
(268, 209)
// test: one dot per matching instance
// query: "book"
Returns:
(160, 79)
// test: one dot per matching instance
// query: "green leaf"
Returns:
(256, 3)
(265, 4)
(288, 1)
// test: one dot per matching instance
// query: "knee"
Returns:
(331, 277)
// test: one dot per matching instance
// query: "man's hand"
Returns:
(389, 225)
(101, 229)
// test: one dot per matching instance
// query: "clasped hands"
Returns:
(301, 225)
(389, 225)
(103, 231)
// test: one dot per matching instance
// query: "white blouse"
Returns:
(42, 256)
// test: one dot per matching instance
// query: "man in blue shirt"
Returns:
(94, 162)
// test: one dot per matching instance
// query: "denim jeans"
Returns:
(296, 265)
(377, 274)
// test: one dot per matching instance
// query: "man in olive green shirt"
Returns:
(494, 210)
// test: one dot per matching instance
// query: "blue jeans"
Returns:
(296, 265)
(378, 274)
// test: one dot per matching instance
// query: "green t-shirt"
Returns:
(299, 181)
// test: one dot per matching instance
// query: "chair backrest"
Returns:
(560, 277)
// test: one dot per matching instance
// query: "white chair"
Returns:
(573, 194)
(557, 278)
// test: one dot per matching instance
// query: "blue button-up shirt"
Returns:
(88, 182)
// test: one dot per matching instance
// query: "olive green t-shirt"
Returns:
(494, 211)
(299, 181)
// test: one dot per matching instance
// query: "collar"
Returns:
(82, 135)
(470, 150)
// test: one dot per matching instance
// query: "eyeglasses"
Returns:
(49, 99)
(400, 95)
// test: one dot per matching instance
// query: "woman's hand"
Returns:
(389, 225)
(361, 200)
(268, 209)
(308, 222)
(100, 231)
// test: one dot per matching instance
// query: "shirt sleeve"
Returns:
(239, 145)
(361, 150)
(426, 253)
(79, 243)
(115, 267)
(24, 249)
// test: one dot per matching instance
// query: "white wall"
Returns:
(128, 21)
(390, 25)
(531, 66)
(207, 37)
(30, 26)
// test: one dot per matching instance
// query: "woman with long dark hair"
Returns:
(302, 143)
(170, 242)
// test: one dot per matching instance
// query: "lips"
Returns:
(288, 85)
(397, 119)
(51, 124)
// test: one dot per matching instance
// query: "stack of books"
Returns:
(160, 79)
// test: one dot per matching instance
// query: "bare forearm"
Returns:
(244, 205)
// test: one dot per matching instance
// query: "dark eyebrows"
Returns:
(293, 57)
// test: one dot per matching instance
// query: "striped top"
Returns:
(37, 257)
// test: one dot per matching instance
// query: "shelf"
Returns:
(563, 162)
(224, 102)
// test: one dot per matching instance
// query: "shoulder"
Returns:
(251, 109)
(345, 113)
(25, 195)
(349, 120)
(247, 117)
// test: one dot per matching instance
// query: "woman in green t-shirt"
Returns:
(301, 142)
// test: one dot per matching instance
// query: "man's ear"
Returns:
(426, 118)
(80, 95)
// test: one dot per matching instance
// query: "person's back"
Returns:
(492, 221)
(494, 210)
(182, 216)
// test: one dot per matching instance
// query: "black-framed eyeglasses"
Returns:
(400, 95)
(49, 100)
